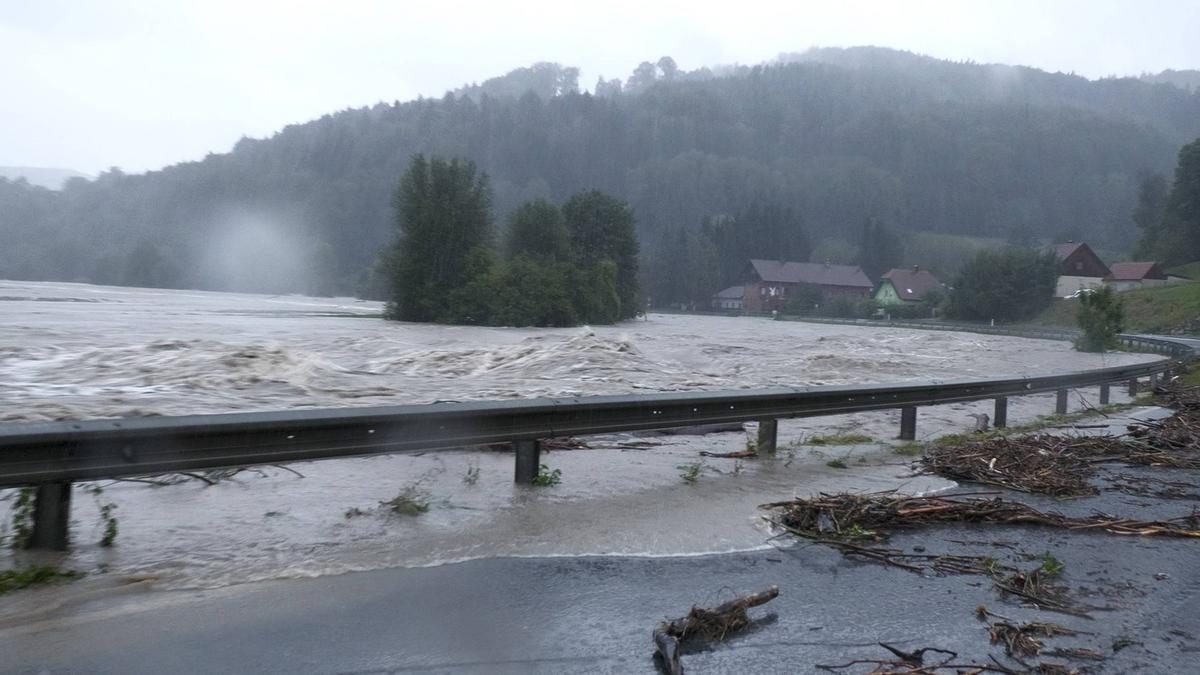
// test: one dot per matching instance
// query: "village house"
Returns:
(1127, 276)
(729, 299)
(769, 283)
(900, 287)
(1078, 268)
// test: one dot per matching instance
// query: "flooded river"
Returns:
(71, 351)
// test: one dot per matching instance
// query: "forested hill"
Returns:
(830, 136)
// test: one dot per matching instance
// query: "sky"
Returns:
(141, 84)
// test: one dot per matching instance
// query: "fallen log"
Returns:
(711, 624)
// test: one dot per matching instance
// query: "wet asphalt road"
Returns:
(595, 615)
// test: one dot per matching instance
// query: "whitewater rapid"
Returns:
(74, 351)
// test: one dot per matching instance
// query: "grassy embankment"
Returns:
(1161, 309)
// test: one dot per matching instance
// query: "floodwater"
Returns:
(72, 351)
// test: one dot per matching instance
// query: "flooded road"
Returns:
(71, 351)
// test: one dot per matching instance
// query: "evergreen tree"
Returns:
(536, 230)
(1148, 216)
(1101, 317)
(445, 221)
(1005, 284)
(602, 231)
(1182, 214)
(879, 249)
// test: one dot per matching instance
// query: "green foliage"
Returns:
(690, 472)
(107, 517)
(804, 300)
(444, 219)
(909, 449)
(1005, 285)
(536, 231)
(819, 133)
(22, 517)
(1051, 566)
(411, 501)
(879, 249)
(547, 477)
(13, 580)
(602, 233)
(1100, 318)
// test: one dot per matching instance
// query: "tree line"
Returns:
(1168, 214)
(825, 140)
(555, 267)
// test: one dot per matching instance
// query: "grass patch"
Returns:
(1158, 309)
(836, 464)
(690, 473)
(840, 439)
(910, 449)
(412, 501)
(12, 580)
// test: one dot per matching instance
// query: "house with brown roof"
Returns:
(1127, 276)
(1078, 268)
(906, 287)
(769, 283)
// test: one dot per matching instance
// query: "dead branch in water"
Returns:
(710, 624)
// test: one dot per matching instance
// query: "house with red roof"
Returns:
(1127, 276)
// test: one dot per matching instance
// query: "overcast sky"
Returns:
(139, 84)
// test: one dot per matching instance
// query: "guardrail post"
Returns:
(1104, 394)
(1000, 419)
(1153, 381)
(908, 423)
(1060, 402)
(529, 454)
(1133, 386)
(51, 517)
(768, 436)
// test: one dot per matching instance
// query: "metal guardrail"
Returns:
(53, 455)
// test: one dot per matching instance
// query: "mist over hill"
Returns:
(50, 178)
(834, 136)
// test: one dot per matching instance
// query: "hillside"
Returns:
(830, 136)
(1164, 309)
(52, 179)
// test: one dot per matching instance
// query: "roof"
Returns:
(821, 274)
(731, 293)
(1064, 251)
(1077, 259)
(1135, 271)
(912, 284)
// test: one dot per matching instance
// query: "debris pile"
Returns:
(1054, 465)
(843, 517)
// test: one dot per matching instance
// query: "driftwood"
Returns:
(740, 454)
(711, 624)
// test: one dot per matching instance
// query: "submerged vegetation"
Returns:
(16, 579)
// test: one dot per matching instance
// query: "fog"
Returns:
(141, 84)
